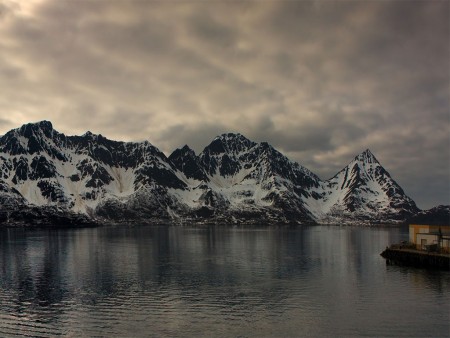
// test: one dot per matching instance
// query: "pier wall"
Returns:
(416, 258)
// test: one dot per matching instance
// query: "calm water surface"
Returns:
(217, 281)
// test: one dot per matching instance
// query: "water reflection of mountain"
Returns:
(215, 265)
(172, 280)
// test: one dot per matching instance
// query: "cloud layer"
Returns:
(319, 80)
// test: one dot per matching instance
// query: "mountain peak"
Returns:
(228, 136)
(232, 137)
(366, 156)
(44, 124)
(33, 138)
(186, 161)
(88, 134)
(183, 152)
(229, 143)
(187, 149)
(29, 129)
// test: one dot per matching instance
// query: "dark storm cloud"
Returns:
(320, 80)
(205, 28)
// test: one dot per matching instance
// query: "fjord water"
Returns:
(215, 281)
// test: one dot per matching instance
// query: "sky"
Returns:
(319, 80)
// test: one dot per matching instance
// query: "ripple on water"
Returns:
(160, 282)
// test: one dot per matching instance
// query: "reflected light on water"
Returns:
(215, 281)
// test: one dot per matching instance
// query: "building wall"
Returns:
(414, 229)
(419, 232)
(428, 238)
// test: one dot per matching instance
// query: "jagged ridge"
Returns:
(232, 180)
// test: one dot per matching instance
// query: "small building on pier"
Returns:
(430, 236)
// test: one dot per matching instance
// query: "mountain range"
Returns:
(49, 178)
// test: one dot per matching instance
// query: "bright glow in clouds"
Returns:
(320, 80)
(24, 8)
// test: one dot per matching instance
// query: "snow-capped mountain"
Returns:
(240, 179)
(85, 174)
(364, 190)
(91, 178)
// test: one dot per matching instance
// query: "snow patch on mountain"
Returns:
(232, 180)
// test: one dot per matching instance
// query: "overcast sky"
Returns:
(319, 80)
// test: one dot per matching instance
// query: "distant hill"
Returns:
(439, 215)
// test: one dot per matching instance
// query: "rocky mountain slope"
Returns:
(364, 190)
(91, 179)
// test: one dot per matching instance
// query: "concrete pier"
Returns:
(416, 258)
